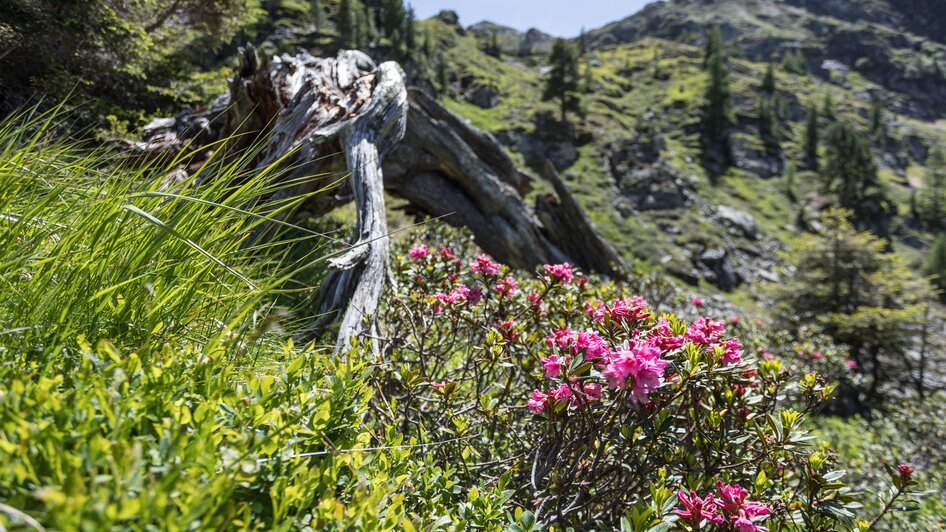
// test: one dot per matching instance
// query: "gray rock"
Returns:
(740, 220)
(483, 96)
(718, 270)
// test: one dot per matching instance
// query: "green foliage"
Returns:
(849, 169)
(790, 181)
(563, 82)
(318, 14)
(352, 24)
(812, 134)
(768, 82)
(909, 432)
(443, 76)
(864, 297)
(794, 62)
(119, 55)
(144, 378)
(876, 112)
(768, 123)
(936, 263)
(827, 106)
(931, 208)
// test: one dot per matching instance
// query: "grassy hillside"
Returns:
(647, 96)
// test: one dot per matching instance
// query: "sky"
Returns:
(562, 18)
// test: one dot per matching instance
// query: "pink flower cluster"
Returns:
(622, 311)
(705, 331)
(731, 504)
(559, 273)
(506, 287)
(460, 294)
(639, 361)
(419, 252)
(484, 265)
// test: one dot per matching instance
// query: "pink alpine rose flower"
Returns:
(732, 352)
(419, 252)
(552, 366)
(695, 510)
(697, 301)
(559, 273)
(506, 287)
(484, 265)
(705, 331)
(537, 402)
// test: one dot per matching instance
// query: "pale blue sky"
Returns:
(562, 18)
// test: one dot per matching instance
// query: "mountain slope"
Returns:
(633, 160)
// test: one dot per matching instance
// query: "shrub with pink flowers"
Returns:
(593, 408)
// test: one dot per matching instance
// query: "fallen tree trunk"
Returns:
(309, 111)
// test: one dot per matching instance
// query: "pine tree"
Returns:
(876, 112)
(346, 24)
(493, 49)
(714, 46)
(443, 76)
(393, 16)
(790, 181)
(811, 137)
(589, 80)
(768, 124)
(318, 14)
(864, 298)
(794, 62)
(582, 42)
(936, 187)
(410, 34)
(718, 114)
(563, 83)
(828, 106)
(656, 62)
(936, 263)
(768, 82)
(428, 46)
(360, 34)
(849, 165)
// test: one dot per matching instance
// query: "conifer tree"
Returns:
(718, 114)
(589, 80)
(318, 14)
(656, 62)
(346, 23)
(849, 165)
(582, 42)
(828, 106)
(794, 62)
(563, 83)
(876, 112)
(936, 263)
(443, 76)
(864, 297)
(428, 47)
(936, 188)
(768, 124)
(768, 82)
(410, 34)
(714, 46)
(790, 181)
(811, 137)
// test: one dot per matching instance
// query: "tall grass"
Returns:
(141, 384)
(95, 246)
